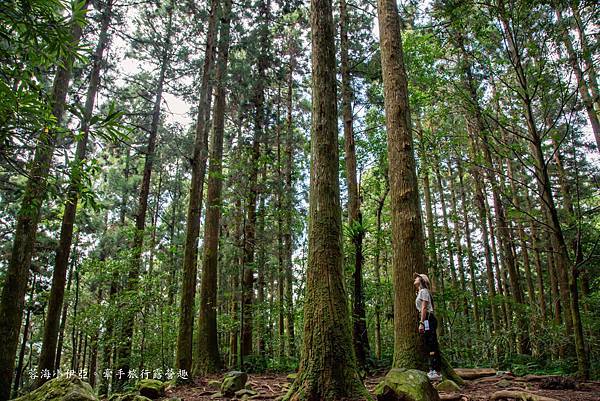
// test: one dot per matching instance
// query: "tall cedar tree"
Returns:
(408, 247)
(253, 192)
(63, 251)
(17, 272)
(198, 161)
(327, 366)
(359, 318)
(209, 360)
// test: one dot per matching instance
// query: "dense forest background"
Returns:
(154, 173)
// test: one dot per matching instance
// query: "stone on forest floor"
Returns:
(233, 381)
(447, 386)
(62, 389)
(151, 388)
(406, 385)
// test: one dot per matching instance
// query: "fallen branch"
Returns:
(519, 395)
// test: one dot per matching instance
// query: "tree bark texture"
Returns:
(327, 366)
(183, 359)
(209, 360)
(408, 248)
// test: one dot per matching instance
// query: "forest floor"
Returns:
(543, 388)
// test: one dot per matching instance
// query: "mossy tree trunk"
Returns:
(183, 359)
(408, 248)
(209, 360)
(327, 366)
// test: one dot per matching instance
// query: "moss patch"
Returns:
(406, 385)
(151, 388)
(62, 388)
(447, 386)
(232, 382)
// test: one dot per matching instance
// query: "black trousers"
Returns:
(432, 347)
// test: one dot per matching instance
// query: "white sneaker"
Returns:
(433, 375)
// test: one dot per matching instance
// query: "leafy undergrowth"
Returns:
(273, 386)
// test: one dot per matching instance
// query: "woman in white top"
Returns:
(428, 324)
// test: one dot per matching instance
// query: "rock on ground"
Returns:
(233, 381)
(406, 385)
(151, 388)
(62, 389)
(447, 386)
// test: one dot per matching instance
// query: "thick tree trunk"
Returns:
(407, 234)
(209, 359)
(17, 272)
(183, 359)
(63, 251)
(327, 366)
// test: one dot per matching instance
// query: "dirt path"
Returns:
(273, 386)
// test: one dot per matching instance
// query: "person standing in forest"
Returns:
(428, 324)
